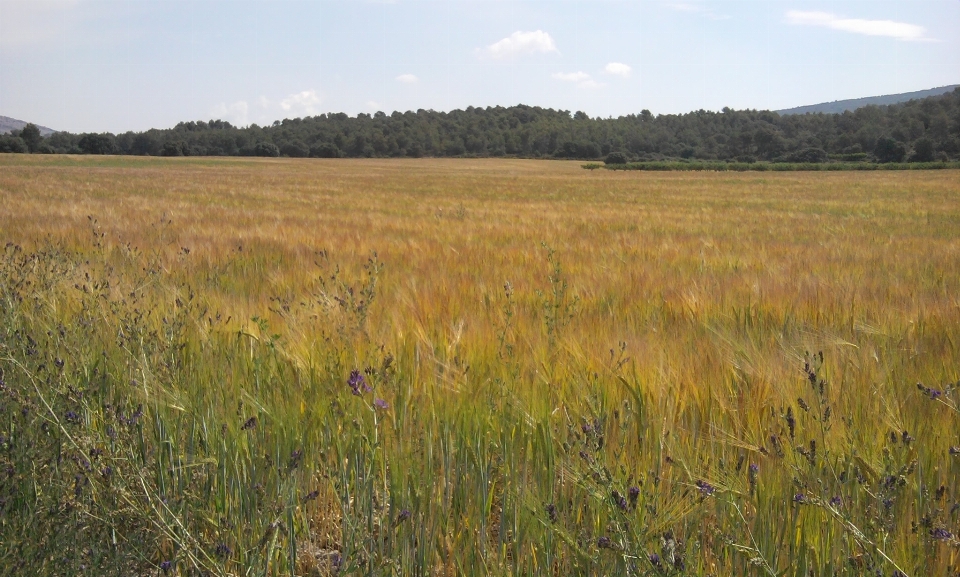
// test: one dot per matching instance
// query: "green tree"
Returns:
(889, 150)
(922, 151)
(97, 144)
(31, 136)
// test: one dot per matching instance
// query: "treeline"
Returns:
(926, 130)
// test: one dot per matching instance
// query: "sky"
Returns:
(119, 65)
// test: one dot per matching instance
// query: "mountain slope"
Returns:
(7, 124)
(840, 106)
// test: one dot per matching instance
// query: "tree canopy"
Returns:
(918, 130)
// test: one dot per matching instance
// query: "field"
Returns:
(476, 367)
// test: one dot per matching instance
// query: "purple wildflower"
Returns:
(249, 424)
(655, 560)
(752, 471)
(403, 516)
(604, 543)
(311, 496)
(223, 551)
(930, 392)
(551, 510)
(620, 500)
(705, 488)
(836, 501)
(634, 494)
(800, 498)
(381, 404)
(954, 451)
(358, 383)
(72, 417)
(295, 457)
(166, 566)
(941, 534)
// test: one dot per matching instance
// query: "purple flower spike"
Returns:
(705, 488)
(800, 498)
(941, 534)
(165, 567)
(358, 383)
(381, 404)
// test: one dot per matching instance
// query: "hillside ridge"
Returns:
(841, 106)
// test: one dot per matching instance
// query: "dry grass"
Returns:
(716, 284)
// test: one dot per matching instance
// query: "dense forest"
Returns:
(919, 130)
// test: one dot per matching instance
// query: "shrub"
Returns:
(615, 158)
(295, 149)
(809, 154)
(268, 149)
(12, 144)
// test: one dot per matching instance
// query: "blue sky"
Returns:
(117, 65)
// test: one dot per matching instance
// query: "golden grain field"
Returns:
(558, 336)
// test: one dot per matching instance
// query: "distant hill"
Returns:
(7, 124)
(841, 106)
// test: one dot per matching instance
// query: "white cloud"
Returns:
(407, 79)
(698, 10)
(618, 69)
(519, 43)
(306, 103)
(582, 79)
(236, 113)
(888, 28)
(571, 76)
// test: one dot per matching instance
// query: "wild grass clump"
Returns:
(651, 400)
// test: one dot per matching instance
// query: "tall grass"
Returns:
(475, 367)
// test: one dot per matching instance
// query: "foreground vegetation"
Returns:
(245, 367)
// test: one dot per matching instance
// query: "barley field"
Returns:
(476, 367)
